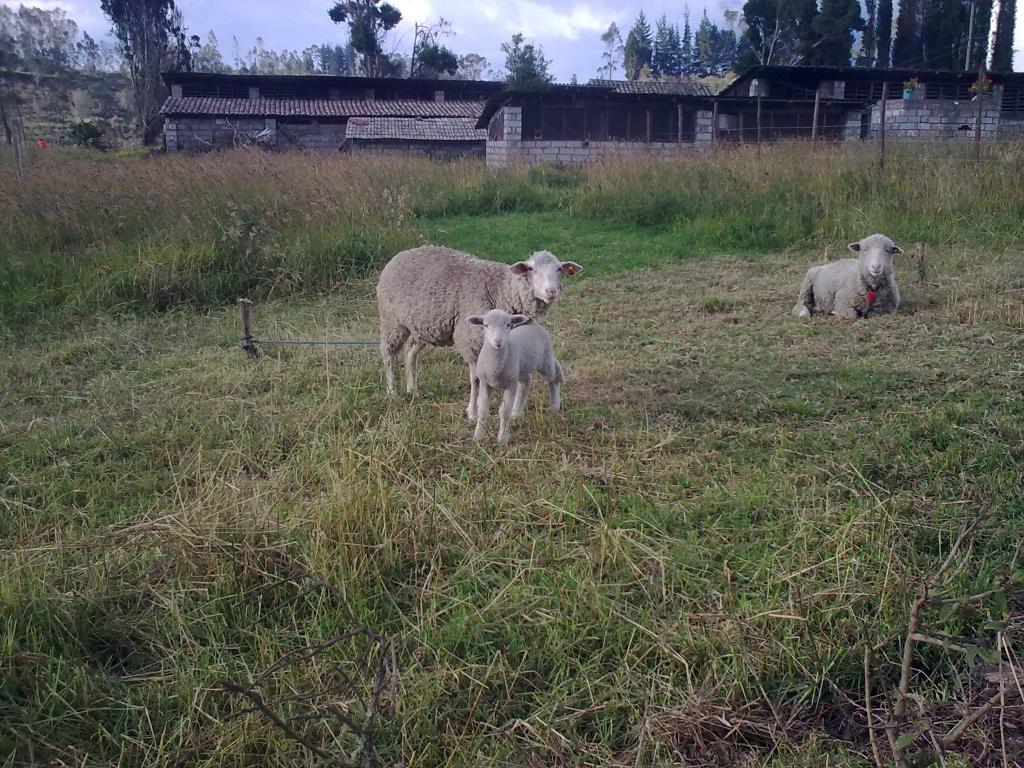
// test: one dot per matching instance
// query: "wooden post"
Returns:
(881, 130)
(981, 100)
(817, 112)
(759, 120)
(650, 126)
(679, 123)
(245, 309)
(714, 124)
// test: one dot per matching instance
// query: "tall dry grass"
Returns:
(85, 232)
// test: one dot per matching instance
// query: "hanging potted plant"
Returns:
(910, 86)
(985, 86)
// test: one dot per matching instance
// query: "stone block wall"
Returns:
(510, 149)
(935, 119)
(447, 150)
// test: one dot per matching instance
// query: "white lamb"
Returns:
(513, 349)
(424, 294)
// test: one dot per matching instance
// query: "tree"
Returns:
(1002, 45)
(686, 46)
(907, 50)
(612, 54)
(207, 58)
(667, 58)
(430, 58)
(368, 21)
(331, 59)
(834, 25)
(944, 33)
(867, 42)
(980, 37)
(89, 54)
(639, 48)
(525, 65)
(883, 34)
(714, 48)
(779, 31)
(472, 66)
(152, 40)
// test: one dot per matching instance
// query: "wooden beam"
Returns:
(881, 131)
(650, 126)
(679, 123)
(817, 113)
(714, 123)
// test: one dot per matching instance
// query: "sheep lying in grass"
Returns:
(424, 294)
(852, 288)
(514, 348)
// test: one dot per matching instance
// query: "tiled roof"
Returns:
(194, 105)
(415, 128)
(670, 87)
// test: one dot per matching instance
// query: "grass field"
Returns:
(685, 566)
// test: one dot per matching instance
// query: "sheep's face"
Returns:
(875, 254)
(497, 326)
(544, 271)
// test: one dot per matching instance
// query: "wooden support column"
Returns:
(679, 123)
(817, 113)
(650, 126)
(881, 127)
(981, 102)
(758, 119)
(714, 123)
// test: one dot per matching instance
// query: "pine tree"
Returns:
(883, 34)
(780, 31)
(834, 26)
(1002, 46)
(907, 50)
(639, 49)
(661, 54)
(686, 47)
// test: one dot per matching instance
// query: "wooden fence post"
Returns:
(817, 113)
(714, 123)
(981, 100)
(759, 122)
(881, 130)
(245, 309)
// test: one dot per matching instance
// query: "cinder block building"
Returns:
(314, 112)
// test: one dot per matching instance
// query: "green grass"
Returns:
(684, 565)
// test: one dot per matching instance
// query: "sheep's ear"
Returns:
(897, 249)
(520, 268)
(518, 320)
(855, 247)
(475, 320)
(570, 268)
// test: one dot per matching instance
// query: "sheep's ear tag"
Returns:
(872, 295)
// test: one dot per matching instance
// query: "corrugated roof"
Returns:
(671, 87)
(194, 105)
(415, 129)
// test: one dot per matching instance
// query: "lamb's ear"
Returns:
(520, 268)
(897, 249)
(475, 320)
(518, 320)
(855, 247)
(570, 268)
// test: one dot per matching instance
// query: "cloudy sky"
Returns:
(568, 31)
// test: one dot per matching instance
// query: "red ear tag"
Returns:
(872, 295)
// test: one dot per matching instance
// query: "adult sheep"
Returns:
(425, 293)
(852, 288)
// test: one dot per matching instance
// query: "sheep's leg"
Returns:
(522, 393)
(805, 304)
(846, 305)
(392, 338)
(412, 366)
(483, 408)
(473, 394)
(504, 414)
(555, 388)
